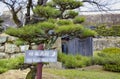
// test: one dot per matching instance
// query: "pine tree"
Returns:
(59, 19)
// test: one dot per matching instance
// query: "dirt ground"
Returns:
(21, 74)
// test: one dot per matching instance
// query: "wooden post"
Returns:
(39, 65)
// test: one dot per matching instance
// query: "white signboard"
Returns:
(36, 56)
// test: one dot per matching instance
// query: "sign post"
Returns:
(40, 56)
(39, 65)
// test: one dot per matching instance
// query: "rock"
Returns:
(23, 48)
(16, 55)
(3, 39)
(34, 47)
(2, 48)
(11, 38)
(3, 55)
(11, 48)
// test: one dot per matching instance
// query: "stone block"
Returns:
(2, 48)
(11, 48)
(3, 39)
(3, 55)
(11, 38)
(34, 47)
(16, 55)
(23, 48)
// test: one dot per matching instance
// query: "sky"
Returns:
(113, 4)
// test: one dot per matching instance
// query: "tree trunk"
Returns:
(27, 15)
(16, 20)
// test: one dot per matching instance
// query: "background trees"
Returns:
(15, 6)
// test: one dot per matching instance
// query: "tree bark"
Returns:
(27, 15)
(16, 19)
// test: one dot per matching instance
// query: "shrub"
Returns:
(111, 31)
(62, 57)
(12, 63)
(2, 70)
(74, 61)
(110, 67)
(70, 62)
(113, 50)
(111, 58)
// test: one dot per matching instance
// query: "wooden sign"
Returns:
(37, 56)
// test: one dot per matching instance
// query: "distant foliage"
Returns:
(108, 31)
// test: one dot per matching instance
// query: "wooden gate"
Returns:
(79, 46)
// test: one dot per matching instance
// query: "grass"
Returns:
(86, 74)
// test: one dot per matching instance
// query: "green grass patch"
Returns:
(86, 74)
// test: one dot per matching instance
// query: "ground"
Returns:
(20, 74)
(90, 72)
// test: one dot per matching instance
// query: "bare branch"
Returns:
(6, 3)
(101, 5)
(18, 9)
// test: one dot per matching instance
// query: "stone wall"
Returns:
(7, 47)
(105, 42)
(9, 50)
